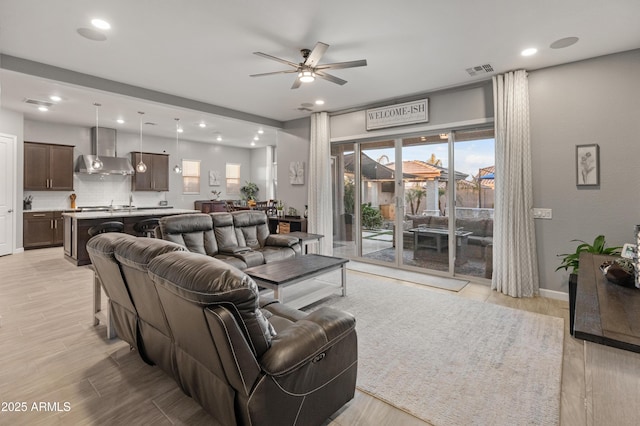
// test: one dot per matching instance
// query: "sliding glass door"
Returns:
(393, 202)
(425, 178)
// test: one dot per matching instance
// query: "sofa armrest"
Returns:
(305, 340)
(280, 240)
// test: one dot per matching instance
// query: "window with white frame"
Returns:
(233, 178)
(191, 176)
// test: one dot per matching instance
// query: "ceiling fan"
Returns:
(309, 69)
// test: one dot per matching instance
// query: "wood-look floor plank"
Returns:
(50, 351)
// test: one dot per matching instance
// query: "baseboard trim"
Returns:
(554, 294)
(18, 250)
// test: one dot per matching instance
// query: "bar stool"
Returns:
(146, 227)
(113, 226)
(98, 314)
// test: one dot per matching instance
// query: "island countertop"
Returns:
(127, 213)
(76, 227)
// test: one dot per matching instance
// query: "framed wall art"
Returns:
(296, 173)
(214, 177)
(587, 165)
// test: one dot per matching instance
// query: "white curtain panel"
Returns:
(320, 215)
(515, 263)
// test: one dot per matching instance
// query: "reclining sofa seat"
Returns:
(134, 255)
(195, 232)
(252, 230)
(124, 314)
(239, 238)
(248, 365)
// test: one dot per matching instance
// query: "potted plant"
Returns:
(572, 260)
(249, 191)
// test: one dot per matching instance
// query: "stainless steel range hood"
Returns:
(104, 144)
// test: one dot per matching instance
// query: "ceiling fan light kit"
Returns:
(309, 68)
(306, 76)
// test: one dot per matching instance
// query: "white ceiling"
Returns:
(201, 50)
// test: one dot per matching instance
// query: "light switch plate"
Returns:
(542, 213)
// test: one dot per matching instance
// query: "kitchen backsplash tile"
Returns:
(95, 190)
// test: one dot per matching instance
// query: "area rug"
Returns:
(452, 361)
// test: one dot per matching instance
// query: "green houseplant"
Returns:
(572, 260)
(249, 190)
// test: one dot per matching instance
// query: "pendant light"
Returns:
(96, 164)
(141, 167)
(177, 167)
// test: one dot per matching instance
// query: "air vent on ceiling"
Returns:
(480, 69)
(151, 123)
(38, 102)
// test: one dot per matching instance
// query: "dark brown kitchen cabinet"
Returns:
(48, 167)
(42, 229)
(156, 178)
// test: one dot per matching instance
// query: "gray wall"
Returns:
(462, 105)
(592, 101)
(96, 190)
(293, 145)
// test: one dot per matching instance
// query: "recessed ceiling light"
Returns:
(260, 131)
(43, 108)
(55, 98)
(564, 42)
(528, 52)
(101, 24)
(253, 144)
(120, 121)
(319, 102)
(180, 130)
(202, 125)
(91, 34)
(219, 138)
(255, 138)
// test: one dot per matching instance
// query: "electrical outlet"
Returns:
(542, 213)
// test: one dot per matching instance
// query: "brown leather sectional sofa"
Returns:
(240, 238)
(246, 360)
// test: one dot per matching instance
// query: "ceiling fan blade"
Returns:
(296, 83)
(338, 65)
(273, 58)
(331, 78)
(316, 54)
(273, 73)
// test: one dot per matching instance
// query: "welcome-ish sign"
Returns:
(398, 115)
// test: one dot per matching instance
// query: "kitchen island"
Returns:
(76, 227)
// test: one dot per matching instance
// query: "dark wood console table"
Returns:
(605, 313)
(209, 206)
(296, 223)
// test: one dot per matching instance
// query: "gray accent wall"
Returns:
(293, 145)
(469, 105)
(592, 101)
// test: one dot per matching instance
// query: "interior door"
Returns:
(7, 213)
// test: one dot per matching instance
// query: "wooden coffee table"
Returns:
(278, 275)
